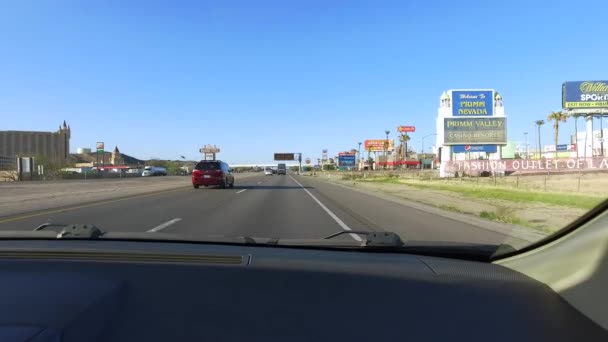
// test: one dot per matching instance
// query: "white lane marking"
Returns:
(259, 182)
(238, 192)
(329, 212)
(164, 225)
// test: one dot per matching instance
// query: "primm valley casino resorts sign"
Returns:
(461, 131)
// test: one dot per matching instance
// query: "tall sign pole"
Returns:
(100, 148)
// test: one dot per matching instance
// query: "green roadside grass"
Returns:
(571, 200)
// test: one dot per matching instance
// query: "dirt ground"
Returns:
(584, 183)
(543, 218)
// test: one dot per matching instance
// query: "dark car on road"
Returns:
(212, 172)
(282, 169)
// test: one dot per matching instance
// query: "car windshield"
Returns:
(469, 126)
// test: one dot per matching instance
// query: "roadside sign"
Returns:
(474, 148)
(346, 160)
(209, 149)
(560, 148)
(406, 129)
(379, 145)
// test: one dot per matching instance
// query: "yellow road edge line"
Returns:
(54, 211)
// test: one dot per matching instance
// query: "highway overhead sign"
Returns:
(285, 156)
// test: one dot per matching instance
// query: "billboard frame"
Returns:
(579, 92)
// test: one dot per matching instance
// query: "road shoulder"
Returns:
(516, 231)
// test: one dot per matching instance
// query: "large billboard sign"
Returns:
(376, 145)
(285, 156)
(475, 131)
(585, 94)
(472, 103)
(346, 160)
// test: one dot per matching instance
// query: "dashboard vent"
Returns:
(126, 256)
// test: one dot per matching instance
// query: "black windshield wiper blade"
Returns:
(373, 239)
(73, 230)
(91, 232)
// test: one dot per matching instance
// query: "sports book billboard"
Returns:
(585, 94)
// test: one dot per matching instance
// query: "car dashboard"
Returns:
(154, 291)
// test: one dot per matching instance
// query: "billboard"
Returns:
(475, 131)
(561, 148)
(376, 145)
(472, 103)
(585, 94)
(406, 129)
(284, 156)
(346, 160)
(209, 149)
(474, 148)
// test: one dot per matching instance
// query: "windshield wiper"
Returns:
(74, 231)
(391, 242)
(91, 232)
(373, 239)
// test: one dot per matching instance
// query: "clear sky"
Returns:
(162, 78)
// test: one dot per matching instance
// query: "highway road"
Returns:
(275, 206)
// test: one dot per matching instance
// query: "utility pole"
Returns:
(386, 150)
(526, 142)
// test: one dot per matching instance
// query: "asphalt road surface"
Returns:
(275, 206)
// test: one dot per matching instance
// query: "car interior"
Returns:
(118, 290)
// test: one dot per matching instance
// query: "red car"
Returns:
(212, 172)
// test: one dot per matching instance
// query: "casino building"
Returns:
(53, 145)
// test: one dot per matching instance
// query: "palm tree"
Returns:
(575, 116)
(404, 138)
(539, 123)
(557, 117)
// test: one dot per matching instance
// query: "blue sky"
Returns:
(162, 78)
